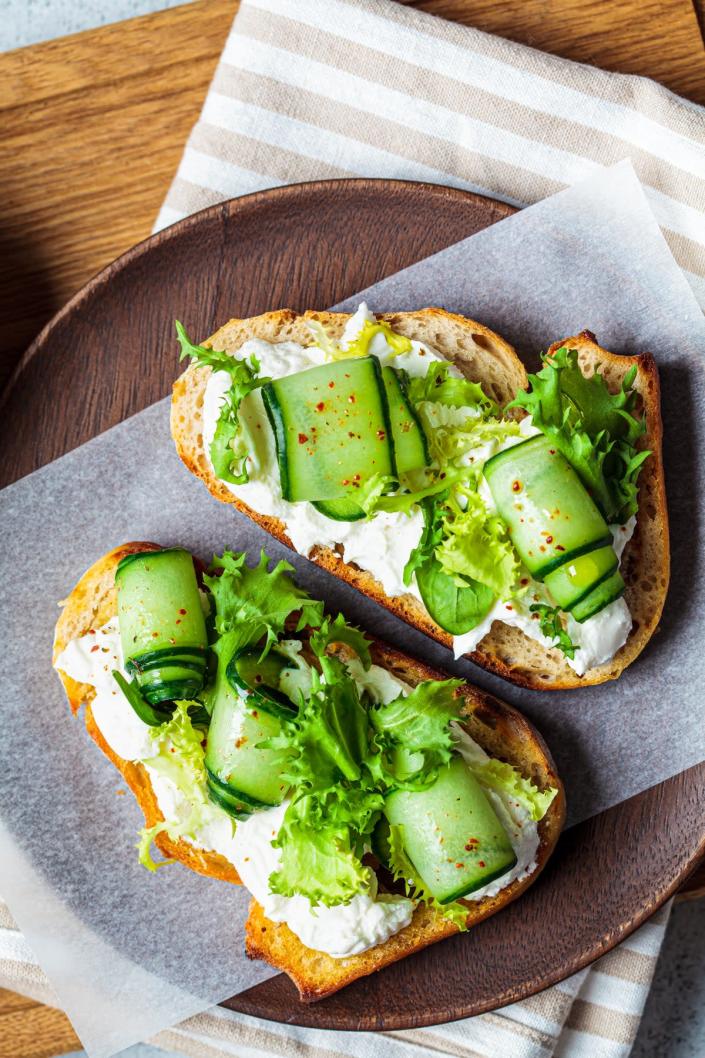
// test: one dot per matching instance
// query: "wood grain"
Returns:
(93, 129)
(612, 34)
(94, 125)
(114, 346)
(31, 1030)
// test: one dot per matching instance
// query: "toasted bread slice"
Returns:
(499, 729)
(91, 604)
(503, 733)
(486, 358)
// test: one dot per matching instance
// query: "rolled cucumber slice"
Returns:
(237, 805)
(605, 593)
(162, 627)
(410, 448)
(345, 510)
(331, 427)
(577, 577)
(549, 514)
(246, 771)
(249, 672)
(451, 833)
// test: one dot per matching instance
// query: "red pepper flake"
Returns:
(517, 486)
(178, 621)
(480, 863)
(351, 398)
(240, 742)
(472, 844)
(182, 612)
(508, 607)
(524, 581)
(155, 635)
(551, 451)
(559, 547)
(381, 434)
(320, 406)
(331, 385)
(93, 649)
(460, 866)
(302, 438)
(356, 477)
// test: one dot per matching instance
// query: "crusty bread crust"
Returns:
(486, 358)
(499, 729)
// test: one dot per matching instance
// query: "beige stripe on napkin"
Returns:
(311, 89)
(566, 1020)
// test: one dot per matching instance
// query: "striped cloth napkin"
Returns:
(594, 1014)
(309, 89)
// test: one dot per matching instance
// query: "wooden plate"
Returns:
(306, 246)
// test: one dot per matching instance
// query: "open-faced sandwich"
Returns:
(371, 806)
(520, 520)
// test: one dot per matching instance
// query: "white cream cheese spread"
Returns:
(342, 930)
(382, 544)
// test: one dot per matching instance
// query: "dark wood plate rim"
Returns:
(315, 1015)
(228, 207)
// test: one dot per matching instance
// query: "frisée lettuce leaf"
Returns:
(476, 544)
(440, 386)
(414, 735)
(252, 603)
(596, 430)
(228, 449)
(179, 756)
(502, 777)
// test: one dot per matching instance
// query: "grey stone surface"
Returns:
(29, 21)
(673, 1025)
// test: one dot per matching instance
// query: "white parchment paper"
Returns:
(130, 953)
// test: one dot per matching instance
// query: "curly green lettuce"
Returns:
(335, 803)
(476, 545)
(552, 627)
(439, 386)
(502, 777)
(339, 631)
(360, 345)
(322, 840)
(414, 736)
(252, 603)
(597, 431)
(228, 449)
(180, 757)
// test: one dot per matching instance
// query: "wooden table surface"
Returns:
(93, 129)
